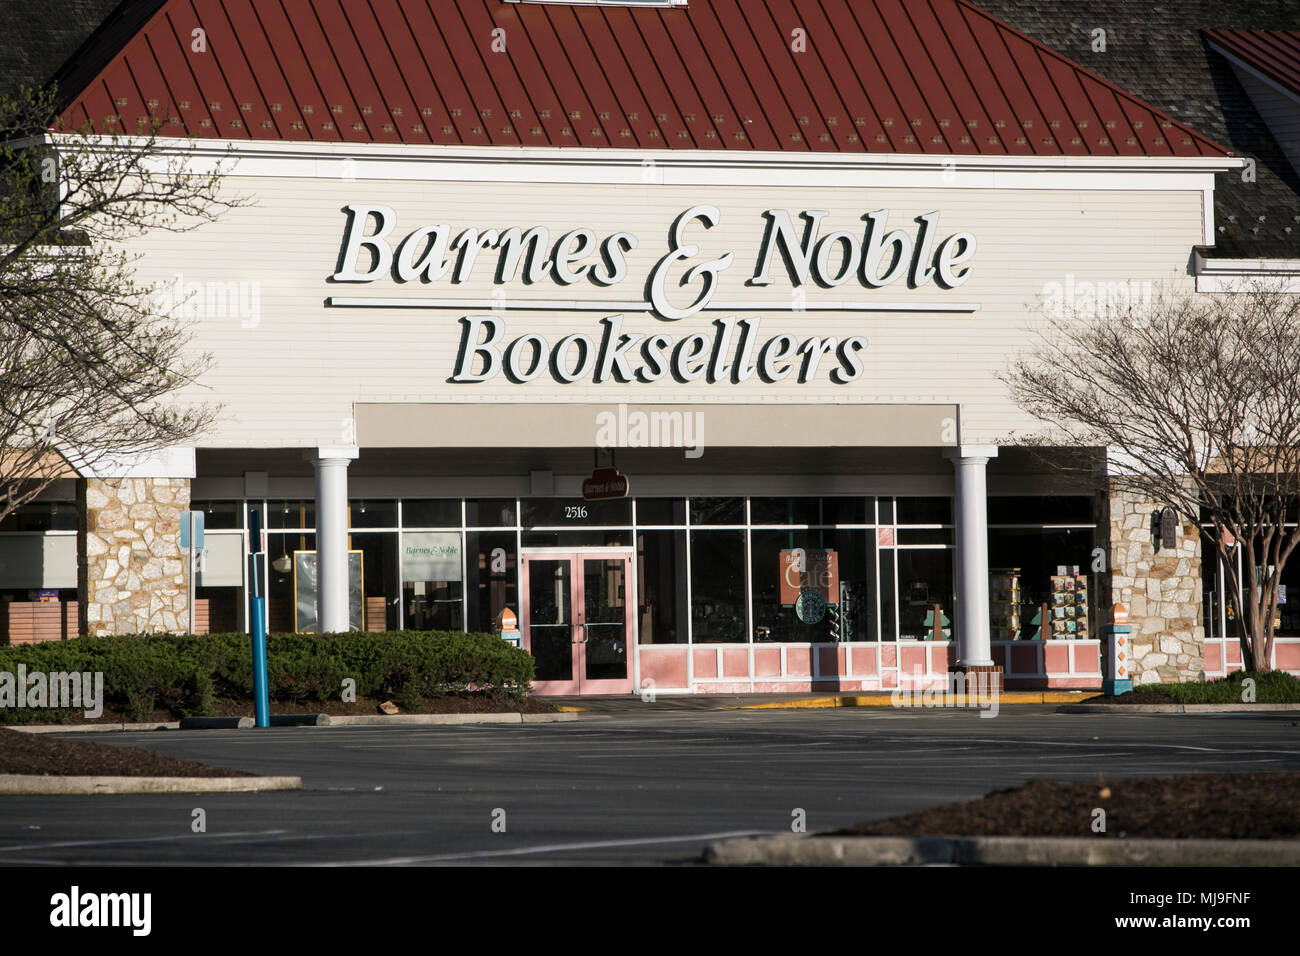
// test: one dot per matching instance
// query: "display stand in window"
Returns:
(1069, 607)
(1004, 603)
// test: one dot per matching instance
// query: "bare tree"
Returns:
(1197, 399)
(88, 357)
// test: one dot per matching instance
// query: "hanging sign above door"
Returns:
(605, 483)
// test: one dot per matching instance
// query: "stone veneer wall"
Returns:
(130, 567)
(1161, 591)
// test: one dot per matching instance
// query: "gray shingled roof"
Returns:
(1156, 52)
(41, 35)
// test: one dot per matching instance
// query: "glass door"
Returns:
(575, 621)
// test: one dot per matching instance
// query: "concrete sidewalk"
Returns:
(634, 702)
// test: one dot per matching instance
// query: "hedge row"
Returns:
(1271, 687)
(186, 675)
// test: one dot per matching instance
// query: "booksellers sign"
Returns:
(683, 282)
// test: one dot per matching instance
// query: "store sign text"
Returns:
(877, 258)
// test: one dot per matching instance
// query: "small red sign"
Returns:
(802, 569)
(604, 483)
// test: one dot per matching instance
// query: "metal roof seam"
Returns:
(1007, 93)
(742, 117)
(762, 52)
(938, 121)
(486, 108)
(968, 122)
(703, 78)
(886, 122)
(857, 79)
(646, 52)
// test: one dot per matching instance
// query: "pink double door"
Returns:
(577, 620)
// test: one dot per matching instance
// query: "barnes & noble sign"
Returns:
(849, 270)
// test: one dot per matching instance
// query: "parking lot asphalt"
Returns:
(641, 787)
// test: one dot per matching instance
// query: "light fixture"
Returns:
(283, 563)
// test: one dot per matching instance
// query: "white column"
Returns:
(969, 461)
(332, 535)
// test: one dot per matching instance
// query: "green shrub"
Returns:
(1271, 687)
(186, 675)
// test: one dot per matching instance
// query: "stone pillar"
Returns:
(1161, 591)
(973, 637)
(332, 537)
(131, 572)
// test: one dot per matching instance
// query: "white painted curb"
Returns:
(24, 783)
(799, 850)
(1173, 708)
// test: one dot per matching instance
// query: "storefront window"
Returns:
(379, 579)
(431, 513)
(38, 573)
(432, 596)
(219, 585)
(1040, 509)
(717, 511)
(718, 586)
(1217, 615)
(372, 513)
(888, 595)
(281, 606)
(42, 516)
(884, 510)
(650, 511)
(1032, 557)
(490, 513)
(493, 578)
(220, 515)
(924, 510)
(924, 536)
(661, 586)
(809, 511)
(825, 594)
(575, 512)
(288, 514)
(924, 581)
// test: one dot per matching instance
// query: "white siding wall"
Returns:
(288, 375)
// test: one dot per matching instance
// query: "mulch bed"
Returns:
(1132, 697)
(1227, 806)
(40, 755)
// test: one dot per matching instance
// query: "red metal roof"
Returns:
(892, 76)
(1275, 53)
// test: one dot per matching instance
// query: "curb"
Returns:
(886, 700)
(316, 720)
(1174, 708)
(799, 850)
(366, 720)
(21, 783)
(216, 723)
(89, 728)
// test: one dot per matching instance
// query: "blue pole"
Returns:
(260, 703)
(261, 706)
